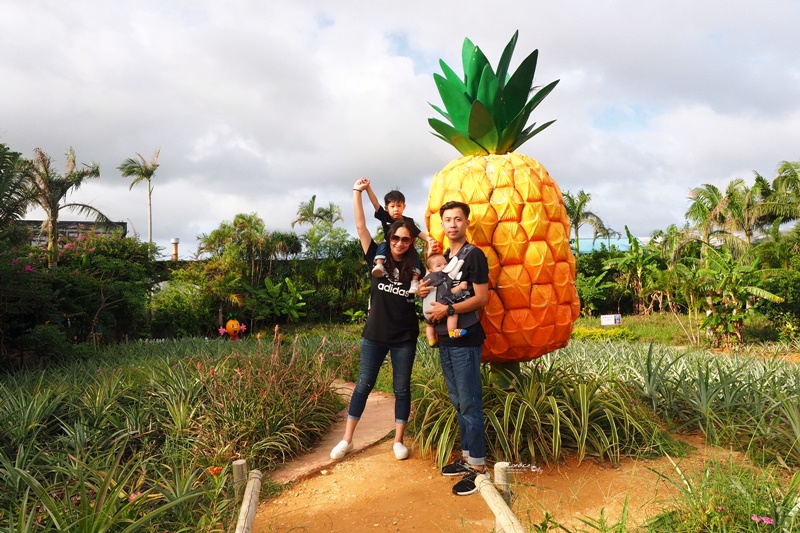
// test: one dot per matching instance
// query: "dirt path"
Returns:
(372, 491)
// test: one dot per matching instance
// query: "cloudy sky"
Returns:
(258, 105)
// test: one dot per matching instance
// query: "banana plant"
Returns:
(731, 285)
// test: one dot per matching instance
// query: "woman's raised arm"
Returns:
(358, 211)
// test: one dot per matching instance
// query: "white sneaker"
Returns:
(378, 271)
(341, 449)
(414, 286)
(400, 451)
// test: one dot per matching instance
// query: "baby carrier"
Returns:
(442, 283)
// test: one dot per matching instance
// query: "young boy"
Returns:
(395, 205)
(436, 273)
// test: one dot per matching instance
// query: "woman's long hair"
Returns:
(406, 264)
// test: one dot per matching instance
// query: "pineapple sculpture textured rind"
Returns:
(517, 211)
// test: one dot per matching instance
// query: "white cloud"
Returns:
(257, 106)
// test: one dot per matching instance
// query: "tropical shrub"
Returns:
(277, 302)
(786, 314)
(552, 408)
(26, 300)
(615, 333)
(180, 307)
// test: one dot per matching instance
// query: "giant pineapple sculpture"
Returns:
(517, 211)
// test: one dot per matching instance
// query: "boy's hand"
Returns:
(361, 184)
(433, 246)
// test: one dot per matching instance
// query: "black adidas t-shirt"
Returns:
(392, 317)
(474, 270)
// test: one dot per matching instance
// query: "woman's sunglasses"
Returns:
(396, 238)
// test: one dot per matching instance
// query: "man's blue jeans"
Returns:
(462, 375)
(372, 356)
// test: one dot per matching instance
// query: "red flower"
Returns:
(214, 470)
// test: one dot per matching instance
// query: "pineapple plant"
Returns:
(517, 215)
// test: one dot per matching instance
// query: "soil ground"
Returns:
(372, 491)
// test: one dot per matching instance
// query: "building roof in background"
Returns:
(73, 229)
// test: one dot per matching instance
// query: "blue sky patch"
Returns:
(617, 118)
(402, 48)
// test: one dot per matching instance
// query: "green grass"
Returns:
(662, 328)
(665, 328)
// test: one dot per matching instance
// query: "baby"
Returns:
(442, 292)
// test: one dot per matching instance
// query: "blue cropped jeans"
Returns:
(461, 367)
(372, 356)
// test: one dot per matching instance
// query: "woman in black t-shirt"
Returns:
(392, 326)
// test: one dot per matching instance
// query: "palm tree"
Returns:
(778, 250)
(254, 243)
(670, 243)
(308, 213)
(330, 215)
(706, 212)
(788, 177)
(782, 197)
(746, 211)
(579, 215)
(141, 170)
(283, 245)
(605, 232)
(15, 195)
(49, 189)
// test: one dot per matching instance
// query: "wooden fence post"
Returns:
(239, 478)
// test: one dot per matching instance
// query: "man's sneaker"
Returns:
(378, 271)
(456, 468)
(466, 486)
(341, 449)
(400, 451)
(414, 287)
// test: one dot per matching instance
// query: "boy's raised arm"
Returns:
(372, 198)
(433, 244)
